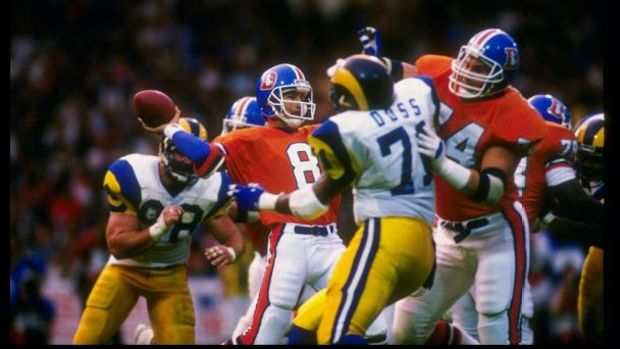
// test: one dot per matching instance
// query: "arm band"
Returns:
(231, 252)
(157, 230)
(491, 186)
(247, 216)
(267, 202)
(304, 203)
(548, 218)
(453, 173)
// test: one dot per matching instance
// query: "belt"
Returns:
(313, 230)
(463, 229)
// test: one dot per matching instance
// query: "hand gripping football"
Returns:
(153, 108)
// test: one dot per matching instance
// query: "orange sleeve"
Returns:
(433, 65)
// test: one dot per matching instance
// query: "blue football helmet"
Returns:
(551, 109)
(486, 65)
(243, 113)
(284, 92)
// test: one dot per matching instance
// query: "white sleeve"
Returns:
(559, 175)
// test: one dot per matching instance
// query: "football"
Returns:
(154, 108)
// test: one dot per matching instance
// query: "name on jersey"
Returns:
(398, 111)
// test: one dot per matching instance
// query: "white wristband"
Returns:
(304, 203)
(548, 218)
(171, 129)
(267, 202)
(157, 230)
(231, 252)
(455, 174)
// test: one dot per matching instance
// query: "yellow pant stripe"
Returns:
(356, 280)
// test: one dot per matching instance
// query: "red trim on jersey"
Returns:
(210, 162)
(249, 336)
(515, 220)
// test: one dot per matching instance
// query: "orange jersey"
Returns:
(279, 161)
(555, 150)
(468, 128)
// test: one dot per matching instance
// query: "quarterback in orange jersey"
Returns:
(245, 113)
(485, 126)
(300, 251)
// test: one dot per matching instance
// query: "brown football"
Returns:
(153, 107)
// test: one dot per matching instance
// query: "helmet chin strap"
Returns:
(176, 176)
(292, 123)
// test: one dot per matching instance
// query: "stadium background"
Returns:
(74, 66)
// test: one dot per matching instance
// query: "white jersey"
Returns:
(134, 187)
(376, 149)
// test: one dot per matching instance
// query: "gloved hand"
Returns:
(430, 145)
(247, 197)
(370, 38)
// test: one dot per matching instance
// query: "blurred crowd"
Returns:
(75, 65)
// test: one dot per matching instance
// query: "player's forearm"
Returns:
(309, 202)
(189, 145)
(129, 243)
(486, 186)
(576, 203)
(301, 203)
(590, 234)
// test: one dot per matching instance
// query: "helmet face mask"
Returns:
(293, 102)
(487, 64)
(177, 165)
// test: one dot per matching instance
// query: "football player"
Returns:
(155, 205)
(546, 175)
(242, 114)
(590, 134)
(371, 146)
(484, 128)
(301, 251)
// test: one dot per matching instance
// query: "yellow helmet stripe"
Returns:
(194, 127)
(345, 78)
(599, 138)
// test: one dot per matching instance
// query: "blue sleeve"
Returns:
(126, 177)
(191, 146)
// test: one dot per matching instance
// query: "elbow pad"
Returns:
(491, 187)
(304, 203)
